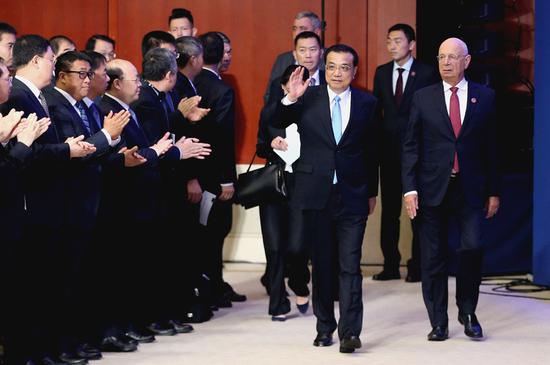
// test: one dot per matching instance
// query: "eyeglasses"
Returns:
(451, 57)
(82, 74)
(343, 68)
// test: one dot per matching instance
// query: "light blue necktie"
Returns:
(336, 126)
(84, 116)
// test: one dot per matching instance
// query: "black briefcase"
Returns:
(263, 185)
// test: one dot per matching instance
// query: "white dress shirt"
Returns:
(407, 66)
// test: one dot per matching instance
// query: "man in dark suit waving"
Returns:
(449, 167)
(394, 85)
(336, 185)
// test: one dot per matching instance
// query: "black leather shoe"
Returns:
(438, 333)
(323, 340)
(413, 277)
(88, 352)
(386, 275)
(236, 297)
(349, 344)
(50, 361)
(472, 328)
(223, 302)
(140, 337)
(278, 318)
(114, 344)
(161, 330)
(72, 359)
(180, 327)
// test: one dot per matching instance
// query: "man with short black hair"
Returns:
(181, 23)
(304, 21)
(102, 44)
(61, 44)
(394, 85)
(336, 185)
(219, 175)
(7, 41)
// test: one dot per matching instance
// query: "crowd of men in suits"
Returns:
(103, 166)
(120, 163)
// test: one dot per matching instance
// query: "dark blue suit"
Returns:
(428, 153)
(338, 211)
(394, 119)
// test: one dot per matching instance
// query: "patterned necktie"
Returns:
(454, 114)
(399, 87)
(84, 116)
(42, 100)
(336, 126)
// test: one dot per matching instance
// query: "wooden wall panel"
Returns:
(259, 30)
(77, 20)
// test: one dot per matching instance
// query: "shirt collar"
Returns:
(316, 77)
(88, 101)
(344, 94)
(123, 104)
(407, 66)
(36, 91)
(462, 85)
(69, 98)
(214, 72)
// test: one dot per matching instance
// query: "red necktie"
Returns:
(399, 87)
(454, 114)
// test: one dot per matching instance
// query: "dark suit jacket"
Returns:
(50, 157)
(393, 119)
(82, 176)
(218, 129)
(137, 187)
(355, 157)
(13, 159)
(430, 144)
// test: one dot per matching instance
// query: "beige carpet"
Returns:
(394, 332)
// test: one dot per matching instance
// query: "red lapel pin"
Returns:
(413, 74)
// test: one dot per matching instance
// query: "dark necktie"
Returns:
(84, 116)
(96, 115)
(399, 87)
(42, 100)
(454, 114)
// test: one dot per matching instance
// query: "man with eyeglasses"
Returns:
(450, 168)
(45, 188)
(336, 183)
(102, 44)
(394, 85)
(81, 195)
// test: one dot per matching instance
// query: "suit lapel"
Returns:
(471, 105)
(353, 111)
(410, 81)
(75, 117)
(325, 117)
(439, 99)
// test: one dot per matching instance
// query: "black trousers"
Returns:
(336, 229)
(392, 197)
(435, 254)
(217, 228)
(283, 232)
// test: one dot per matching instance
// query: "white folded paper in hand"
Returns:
(206, 205)
(293, 151)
